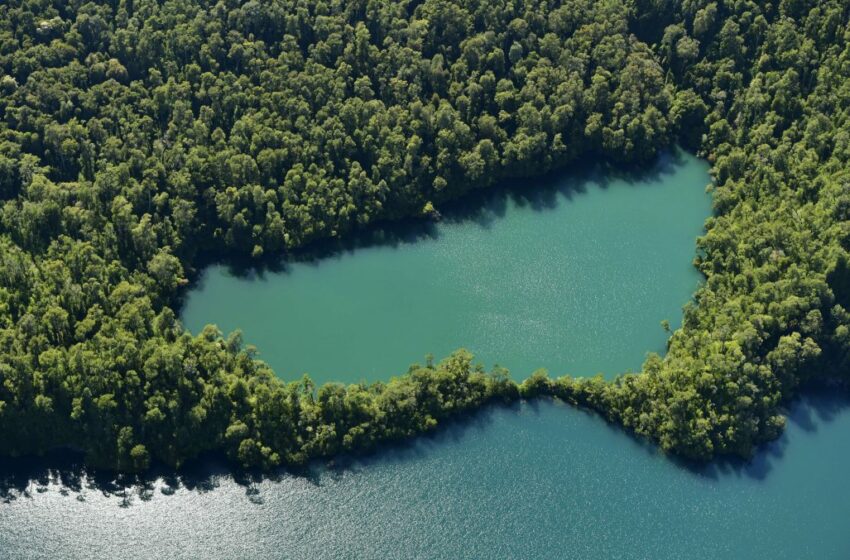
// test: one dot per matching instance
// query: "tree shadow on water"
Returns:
(64, 471)
(813, 408)
(449, 432)
(483, 207)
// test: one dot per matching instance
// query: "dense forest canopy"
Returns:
(138, 138)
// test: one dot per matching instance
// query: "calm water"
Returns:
(544, 481)
(574, 274)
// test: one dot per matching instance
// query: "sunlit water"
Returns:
(576, 276)
(573, 273)
(535, 481)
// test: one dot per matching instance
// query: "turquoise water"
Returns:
(573, 273)
(538, 481)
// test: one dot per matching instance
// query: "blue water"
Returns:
(573, 272)
(537, 481)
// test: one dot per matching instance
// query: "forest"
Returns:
(139, 139)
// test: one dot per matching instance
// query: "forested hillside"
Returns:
(141, 138)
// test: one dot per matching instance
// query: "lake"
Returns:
(539, 480)
(573, 272)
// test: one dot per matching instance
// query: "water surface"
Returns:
(537, 481)
(573, 273)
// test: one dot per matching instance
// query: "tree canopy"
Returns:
(139, 138)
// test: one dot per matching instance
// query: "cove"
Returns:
(539, 480)
(573, 272)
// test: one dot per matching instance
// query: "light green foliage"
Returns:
(138, 139)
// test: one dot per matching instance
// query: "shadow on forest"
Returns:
(23, 478)
(815, 407)
(482, 206)
(26, 477)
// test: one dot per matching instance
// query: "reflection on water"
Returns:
(539, 480)
(573, 272)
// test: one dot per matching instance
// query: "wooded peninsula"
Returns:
(139, 139)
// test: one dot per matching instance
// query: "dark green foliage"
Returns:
(139, 138)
